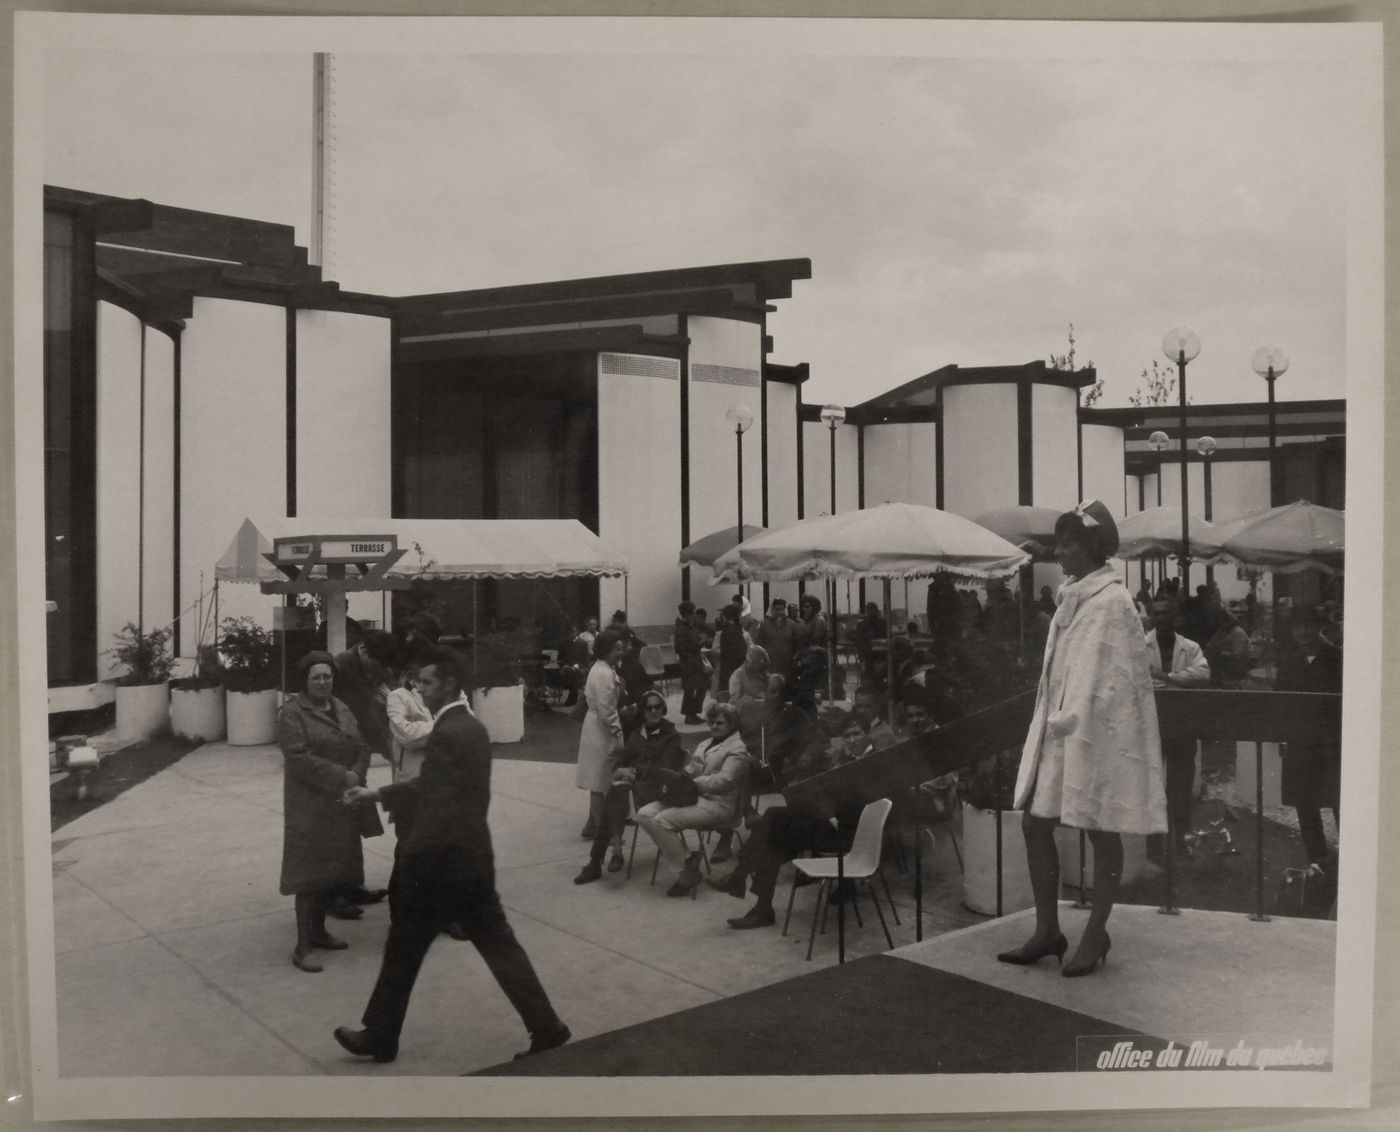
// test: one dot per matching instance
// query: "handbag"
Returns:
(367, 820)
(677, 787)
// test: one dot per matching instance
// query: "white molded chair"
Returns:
(861, 863)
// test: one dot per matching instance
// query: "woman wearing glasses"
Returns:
(654, 747)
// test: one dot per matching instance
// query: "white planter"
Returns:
(143, 710)
(979, 845)
(197, 713)
(1067, 841)
(252, 718)
(501, 711)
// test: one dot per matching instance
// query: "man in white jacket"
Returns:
(1176, 662)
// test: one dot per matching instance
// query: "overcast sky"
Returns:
(954, 210)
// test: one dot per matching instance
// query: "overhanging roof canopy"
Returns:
(439, 549)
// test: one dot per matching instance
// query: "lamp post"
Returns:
(1181, 345)
(1270, 362)
(1206, 446)
(740, 417)
(1159, 441)
(833, 415)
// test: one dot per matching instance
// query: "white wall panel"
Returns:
(901, 464)
(233, 456)
(816, 449)
(979, 448)
(639, 488)
(1103, 470)
(118, 473)
(726, 357)
(1055, 448)
(343, 423)
(160, 477)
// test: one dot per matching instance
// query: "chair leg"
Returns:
(855, 903)
(875, 899)
(954, 835)
(792, 893)
(893, 910)
(818, 912)
(633, 851)
(655, 864)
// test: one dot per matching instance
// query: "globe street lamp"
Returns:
(1159, 441)
(1206, 446)
(1181, 345)
(740, 417)
(1271, 362)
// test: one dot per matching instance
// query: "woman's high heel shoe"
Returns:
(1033, 952)
(1076, 968)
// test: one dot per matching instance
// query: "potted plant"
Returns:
(143, 694)
(197, 702)
(250, 681)
(498, 692)
(988, 789)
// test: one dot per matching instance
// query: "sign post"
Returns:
(323, 564)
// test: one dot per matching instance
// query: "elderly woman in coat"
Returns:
(1092, 759)
(323, 756)
(600, 740)
(719, 768)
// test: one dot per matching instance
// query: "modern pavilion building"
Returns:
(199, 371)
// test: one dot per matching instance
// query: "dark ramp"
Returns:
(874, 1015)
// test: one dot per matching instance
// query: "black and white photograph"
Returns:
(578, 566)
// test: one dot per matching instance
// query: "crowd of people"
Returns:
(1093, 759)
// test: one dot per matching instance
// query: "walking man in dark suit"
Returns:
(446, 874)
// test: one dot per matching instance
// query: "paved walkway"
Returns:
(174, 945)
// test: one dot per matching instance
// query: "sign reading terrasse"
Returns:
(335, 549)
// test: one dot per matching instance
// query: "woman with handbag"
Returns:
(323, 756)
(703, 795)
(651, 752)
(600, 739)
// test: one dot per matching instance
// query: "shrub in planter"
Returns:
(197, 702)
(250, 678)
(494, 676)
(143, 694)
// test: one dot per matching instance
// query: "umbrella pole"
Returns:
(831, 642)
(889, 654)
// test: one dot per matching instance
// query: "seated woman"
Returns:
(718, 768)
(749, 682)
(785, 832)
(650, 751)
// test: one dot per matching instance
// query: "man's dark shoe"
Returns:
(362, 1044)
(756, 917)
(542, 1040)
(616, 861)
(366, 895)
(589, 873)
(692, 720)
(342, 909)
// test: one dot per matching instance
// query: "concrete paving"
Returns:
(173, 944)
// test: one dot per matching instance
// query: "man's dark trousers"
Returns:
(1179, 757)
(433, 892)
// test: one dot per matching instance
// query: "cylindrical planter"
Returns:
(143, 710)
(979, 834)
(252, 718)
(501, 711)
(197, 713)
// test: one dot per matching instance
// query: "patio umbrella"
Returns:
(1030, 528)
(893, 540)
(1156, 532)
(1297, 536)
(704, 551)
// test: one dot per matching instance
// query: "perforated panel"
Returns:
(724, 375)
(638, 365)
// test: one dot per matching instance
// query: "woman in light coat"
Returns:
(1092, 759)
(600, 740)
(719, 767)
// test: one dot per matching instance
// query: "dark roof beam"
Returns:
(414, 324)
